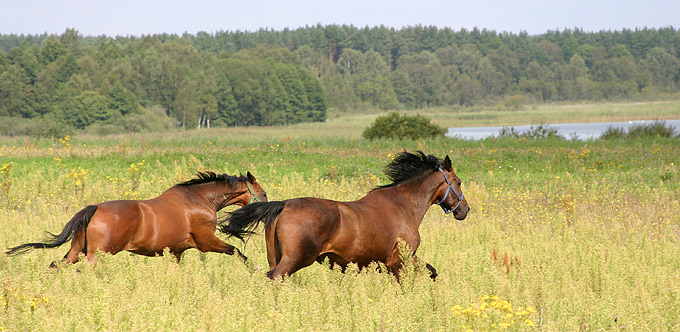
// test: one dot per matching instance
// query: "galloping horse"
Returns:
(300, 231)
(182, 217)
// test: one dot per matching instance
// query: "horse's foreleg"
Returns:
(433, 271)
(430, 268)
(394, 263)
(210, 243)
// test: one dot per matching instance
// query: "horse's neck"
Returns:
(199, 194)
(230, 197)
(414, 196)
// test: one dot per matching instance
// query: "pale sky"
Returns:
(144, 17)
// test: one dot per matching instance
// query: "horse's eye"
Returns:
(459, 183)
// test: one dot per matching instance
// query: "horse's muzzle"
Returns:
(461, 212)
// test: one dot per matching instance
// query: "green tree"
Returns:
(51, 50)
(122, 101)
(663, 68)
(467, 59)
(569, 47)
(315, 95)
(12, 93)
(467, 90)
(61, 102)
(88, 108)
(539, 83)
(424, 75)
(71, 41)
(67, 66)
(379, 93)
(493, 81)
(403, 88)
(227, 107)
(339, 91)
(109, 50)
(364, 66)
(27, 58)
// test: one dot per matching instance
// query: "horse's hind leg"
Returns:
(295, 253)
(73, 254)
(287, 266)
(273, 245)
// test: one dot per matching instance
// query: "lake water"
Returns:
(583, 131)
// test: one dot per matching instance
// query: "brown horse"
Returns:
(300, 231)
(183, 217)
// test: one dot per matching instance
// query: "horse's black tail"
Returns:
(76, 225)
(242, 222)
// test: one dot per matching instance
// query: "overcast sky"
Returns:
(144, 17)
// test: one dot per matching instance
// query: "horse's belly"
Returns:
(145, 252)
(153, 243)
(362, 256)
(361, 247)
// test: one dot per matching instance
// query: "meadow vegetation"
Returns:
(563, 235)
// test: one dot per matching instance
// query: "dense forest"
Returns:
(267, 77)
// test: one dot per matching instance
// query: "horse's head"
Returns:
(255, 192)
(449, 194)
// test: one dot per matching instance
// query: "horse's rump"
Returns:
(242, 222)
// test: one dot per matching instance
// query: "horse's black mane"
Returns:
(406, 166)
(205, 177)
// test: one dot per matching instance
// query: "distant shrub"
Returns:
(539, 131)
(399, 126)
(50, 127)
(151, 119)
(508, 132)
(103, 129)
(613, 133)
(14, 126)
(654, 129)
(515, 102)
(644, 130)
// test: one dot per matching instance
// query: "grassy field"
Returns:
(562, 235)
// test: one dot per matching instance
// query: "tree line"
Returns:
(151, 83)
(270, 77)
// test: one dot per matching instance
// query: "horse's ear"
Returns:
(447, 163)
(251, 178)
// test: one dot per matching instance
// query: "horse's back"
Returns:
(341, 231)
(351, 219)
(314, 212)
(145, 227)
(307, 219)
(119, 210)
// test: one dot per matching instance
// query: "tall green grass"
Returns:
(570, 235)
